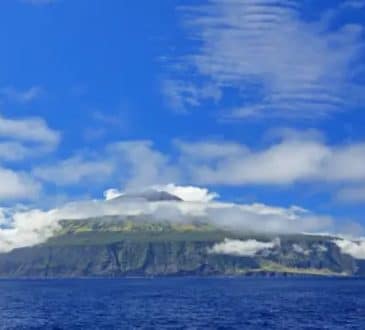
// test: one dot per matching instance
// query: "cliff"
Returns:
(110, 247)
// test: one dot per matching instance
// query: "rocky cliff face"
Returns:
(124, 258)
(94, 248)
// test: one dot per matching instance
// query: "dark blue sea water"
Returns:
(183, 303)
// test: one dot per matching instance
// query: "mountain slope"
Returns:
(113, 247)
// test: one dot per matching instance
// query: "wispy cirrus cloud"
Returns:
(182, 95)
(278, 62)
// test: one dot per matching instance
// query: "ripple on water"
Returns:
(183, 303)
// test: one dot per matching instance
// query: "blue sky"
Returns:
(257, 101)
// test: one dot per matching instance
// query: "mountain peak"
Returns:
(150, 195)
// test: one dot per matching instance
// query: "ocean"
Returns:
(183, 303)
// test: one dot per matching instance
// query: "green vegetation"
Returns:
(270, 266)
(111, 246)
(101, 238)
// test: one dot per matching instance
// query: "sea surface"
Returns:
(183, 303)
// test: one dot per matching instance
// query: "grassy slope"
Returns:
(110, 230)
(96, 232)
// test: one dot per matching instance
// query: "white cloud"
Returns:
(16, 185)
(345, 163)
(112, 193)
(283, 163)
(22, 139)
(300, 250)
(278, 63)
(15, 151)
(27, 228)
(132, 164)
(290, 160)
(74, 170)
(247, 248)
(33, 130)
(34, 226)
(320, 248)
(355, 249)
(292, 157)
(143, 165)
(266, 219)
(188, 193)
(22, 96)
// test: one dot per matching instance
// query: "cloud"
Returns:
(143, 164)
(290, 160)
(17, 185)
(28, 227)
(290, 157)
(132, 164)
(239, 248)
(181, 95)
(300, 250)
(112, 193)
(275, 60)
(15, 151)
(74, 170)
(26, 138)
(320, 248)
(352, 194)
(22, 139)
(284, 163)
(355, 249)
(24, 96)
(33, 130)
(188, 193)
